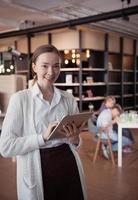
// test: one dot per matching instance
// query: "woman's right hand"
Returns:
(50, 128)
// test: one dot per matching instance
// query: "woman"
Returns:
(46, 169)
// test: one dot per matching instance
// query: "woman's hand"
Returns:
(71, 130)
(50, 128)
(115, 120)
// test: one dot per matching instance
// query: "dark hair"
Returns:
(118, 107)
(40, 50)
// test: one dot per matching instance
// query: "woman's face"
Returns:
(115, 113)
(47, 68)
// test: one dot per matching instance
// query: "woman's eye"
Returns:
(45, 66)
(56, 66)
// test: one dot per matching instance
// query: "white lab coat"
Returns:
(19, 138)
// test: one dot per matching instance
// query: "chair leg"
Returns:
(110, 148)
(97, 150)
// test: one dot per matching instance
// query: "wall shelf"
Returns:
(114, 70)
(114, 83)
(128, 95)
(69, 69)
(93, 69)
(94, 84)
(93, 98)
(128, 83)
(66, 84)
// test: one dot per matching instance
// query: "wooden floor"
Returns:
(104, 182)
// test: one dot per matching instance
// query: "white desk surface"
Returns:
(128, 124)
(120, 126)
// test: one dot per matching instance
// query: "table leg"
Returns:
(119, 146)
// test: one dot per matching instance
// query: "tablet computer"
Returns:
(78, 119)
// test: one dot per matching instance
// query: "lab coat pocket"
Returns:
(28, 182)
(29, 172)
(29, 190)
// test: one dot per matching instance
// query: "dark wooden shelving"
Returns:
(114, 61)
(95, 73)
(89, 64)
(103, 73)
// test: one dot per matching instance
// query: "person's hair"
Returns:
(110, 98)
(40, 50)
(118, 107)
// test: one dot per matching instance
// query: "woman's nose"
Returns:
(50, 70)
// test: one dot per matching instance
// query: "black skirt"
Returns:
(61, 180)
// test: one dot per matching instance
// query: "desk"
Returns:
(120, 126)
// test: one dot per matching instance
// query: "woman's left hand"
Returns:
(71, 130)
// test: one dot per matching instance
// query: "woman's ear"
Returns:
(34, 67)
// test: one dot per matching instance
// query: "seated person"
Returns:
(107, 118)
(109, 102)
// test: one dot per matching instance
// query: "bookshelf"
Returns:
(87, 73)
(93, 79)
(128, 76)
(103, 72)
(114, 75)
(10, 64)
(95, 64)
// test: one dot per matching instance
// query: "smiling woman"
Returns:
(46, 68)
(46, 169)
